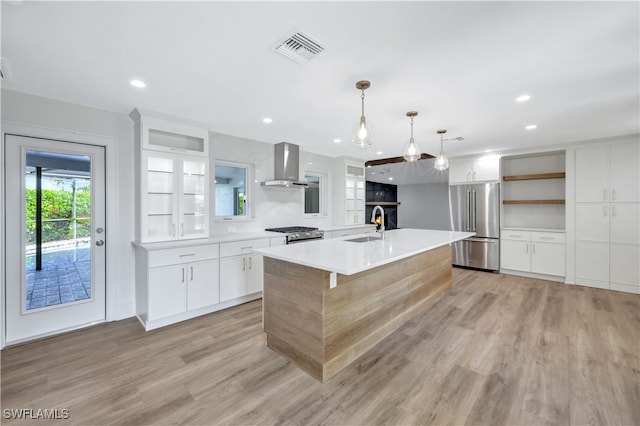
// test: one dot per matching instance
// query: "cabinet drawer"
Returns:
(515, 235)
(183, 255)
(548, 237)
(241, 247)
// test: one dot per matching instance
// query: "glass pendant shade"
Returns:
(442, 163)
(362, 134)
(412, 150)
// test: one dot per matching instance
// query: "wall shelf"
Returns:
(533, 201)
(382, 203)
(555, 175)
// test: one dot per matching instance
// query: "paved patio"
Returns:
(65, 277)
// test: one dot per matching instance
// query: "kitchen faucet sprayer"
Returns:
(373, 220)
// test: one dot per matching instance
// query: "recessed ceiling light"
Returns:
(368, 166)
(531, 127)
(311, 164)
(390, 178)
(138, 83)
(336, 140)
(267, 120)
(379, 153)
(523, 98)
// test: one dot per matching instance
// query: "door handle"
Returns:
(526, 248)
(613, 211)
(604, 195)
(613, 195)
(604, 211)
(182, 274)
(100, 243)
(244, 263)
(250, 262)
(191, 273)
(474, 208)
(533, 247)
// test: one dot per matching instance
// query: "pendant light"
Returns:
(362, 135)
(412, 150)
(442, 163)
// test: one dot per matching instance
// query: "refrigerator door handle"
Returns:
(474, 211)
(468, 210)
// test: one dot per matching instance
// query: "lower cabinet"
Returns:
(240, 271)
(531, 251)
(180, 288)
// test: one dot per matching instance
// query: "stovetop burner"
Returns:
(288, 229)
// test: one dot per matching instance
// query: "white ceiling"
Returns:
(459, 64)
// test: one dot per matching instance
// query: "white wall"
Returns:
(424, 206)
(272, 206)
(37, 111)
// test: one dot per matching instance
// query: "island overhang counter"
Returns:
(325, 303)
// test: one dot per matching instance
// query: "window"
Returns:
(232, 190)
(314, 194)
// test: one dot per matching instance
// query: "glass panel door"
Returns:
(194, 204)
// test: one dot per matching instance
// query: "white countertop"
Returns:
(346, 227)
(213, 239)
(345, 257)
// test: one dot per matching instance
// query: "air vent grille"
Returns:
(298, 47)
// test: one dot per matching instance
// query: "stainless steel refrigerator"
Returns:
(476, 208)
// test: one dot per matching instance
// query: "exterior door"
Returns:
(55, 236)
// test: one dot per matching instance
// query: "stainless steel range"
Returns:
(299, 234)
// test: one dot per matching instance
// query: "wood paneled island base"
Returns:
(323, 329)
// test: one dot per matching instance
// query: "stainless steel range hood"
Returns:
(287, 167)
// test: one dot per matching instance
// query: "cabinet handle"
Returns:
(250, 262)
(474, 176)
(547, 238)
(613, 194)
(613, 211)
(604, 211)
(527, 248)
(533, 246)
(604, 195)
(182, 274)
(245, 248)
(185, 255)
(243, 263)
(182, 229)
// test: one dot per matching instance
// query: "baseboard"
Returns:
(533, 275)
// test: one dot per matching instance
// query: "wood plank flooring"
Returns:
(496, 349)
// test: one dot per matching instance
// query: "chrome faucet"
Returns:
(373, 220)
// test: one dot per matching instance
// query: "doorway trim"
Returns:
(111, 219)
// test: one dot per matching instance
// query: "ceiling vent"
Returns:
(298, 47)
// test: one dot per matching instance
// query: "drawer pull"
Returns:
(244, 248)
(188, 254)
(547, 238)
(515, 236)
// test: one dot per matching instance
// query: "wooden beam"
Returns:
(391, 160)
(558, 175)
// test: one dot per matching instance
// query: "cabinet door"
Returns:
(515, 255)
(233, 277)
(592, 263)
(486, 168)
(255, 276)
(159, 198)
(625, 172)
(204, 286)
(167, 291)
(592, 174)
(194, 204)
(625, 226)
(460, 171)
(592, 221)
(625, 268)
(548, 258)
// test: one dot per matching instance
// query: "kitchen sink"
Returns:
(364, 239)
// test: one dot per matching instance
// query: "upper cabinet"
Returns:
(172, 191)
(481, 169)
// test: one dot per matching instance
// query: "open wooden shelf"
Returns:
(382, 203)
(532, 201)
(555, 175)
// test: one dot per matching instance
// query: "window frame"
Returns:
(323, 179)
(249, 191)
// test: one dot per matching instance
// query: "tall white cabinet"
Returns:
(172, 191)
(349, 192)
(607, 216)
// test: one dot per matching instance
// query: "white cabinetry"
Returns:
(174, 284)
(534, 252)
(607, 216)
(355, 193)
(480, 169)
(172, 188)
(240, 270)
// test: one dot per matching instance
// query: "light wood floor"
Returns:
(497, 349)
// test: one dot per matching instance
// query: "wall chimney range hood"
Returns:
(287, 167)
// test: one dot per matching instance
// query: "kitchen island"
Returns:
(325, 303)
